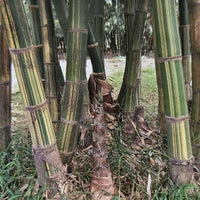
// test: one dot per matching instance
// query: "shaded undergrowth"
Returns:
(137, 158)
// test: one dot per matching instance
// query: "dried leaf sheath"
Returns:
(75, 78)
(169, 59)
(5, 91)
(23, 56)
(194, 10)
(102, 186)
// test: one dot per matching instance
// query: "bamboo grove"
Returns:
(57, 105)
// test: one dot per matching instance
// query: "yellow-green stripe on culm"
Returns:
(29, 81)
(36, 33)
(194, 11)
(74, 89)
(52, 72)
(169, 60)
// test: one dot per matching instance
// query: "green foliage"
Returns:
(17, 172)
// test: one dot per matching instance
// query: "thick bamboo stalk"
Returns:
(96, 9)
(36, 33)
(75, 77)
(185, 44)
(194, 10)
(5, 91)
(47, 160)
(169, 58)
(51, 64)
(128, 97)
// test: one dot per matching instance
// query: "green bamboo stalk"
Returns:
(75, 77)
(96, 8)
(194, 10)
(184, 29)
(36, 33)
(128, 97)
(94, 52)
(62, 12)
(161, 112)
(5, 91)
(169, 58)
(51, 64)
(47, 160)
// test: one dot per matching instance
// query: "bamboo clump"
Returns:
(46, 155)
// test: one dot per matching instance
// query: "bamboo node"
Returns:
(47, 25)
(102, 16)
(65, 121)
(196, 91)
(32, 7)
(186, 56)
(77, 82)
(129, 14)
(184, 26)
(168, 59)
(176, 119)
(77, 30)
(141, 10)
(36, 107)
(194, 3)
(93, 45)
(174, 161)
(53, 64)
(5, 83)
(50, 155)
(196, 145)
(52, 97)
(139, 80)
(24, 50)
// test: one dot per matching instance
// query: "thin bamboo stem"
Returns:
(128, 97)
(184, 29)
(194, 10)
(51, 64)
(5, 91)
